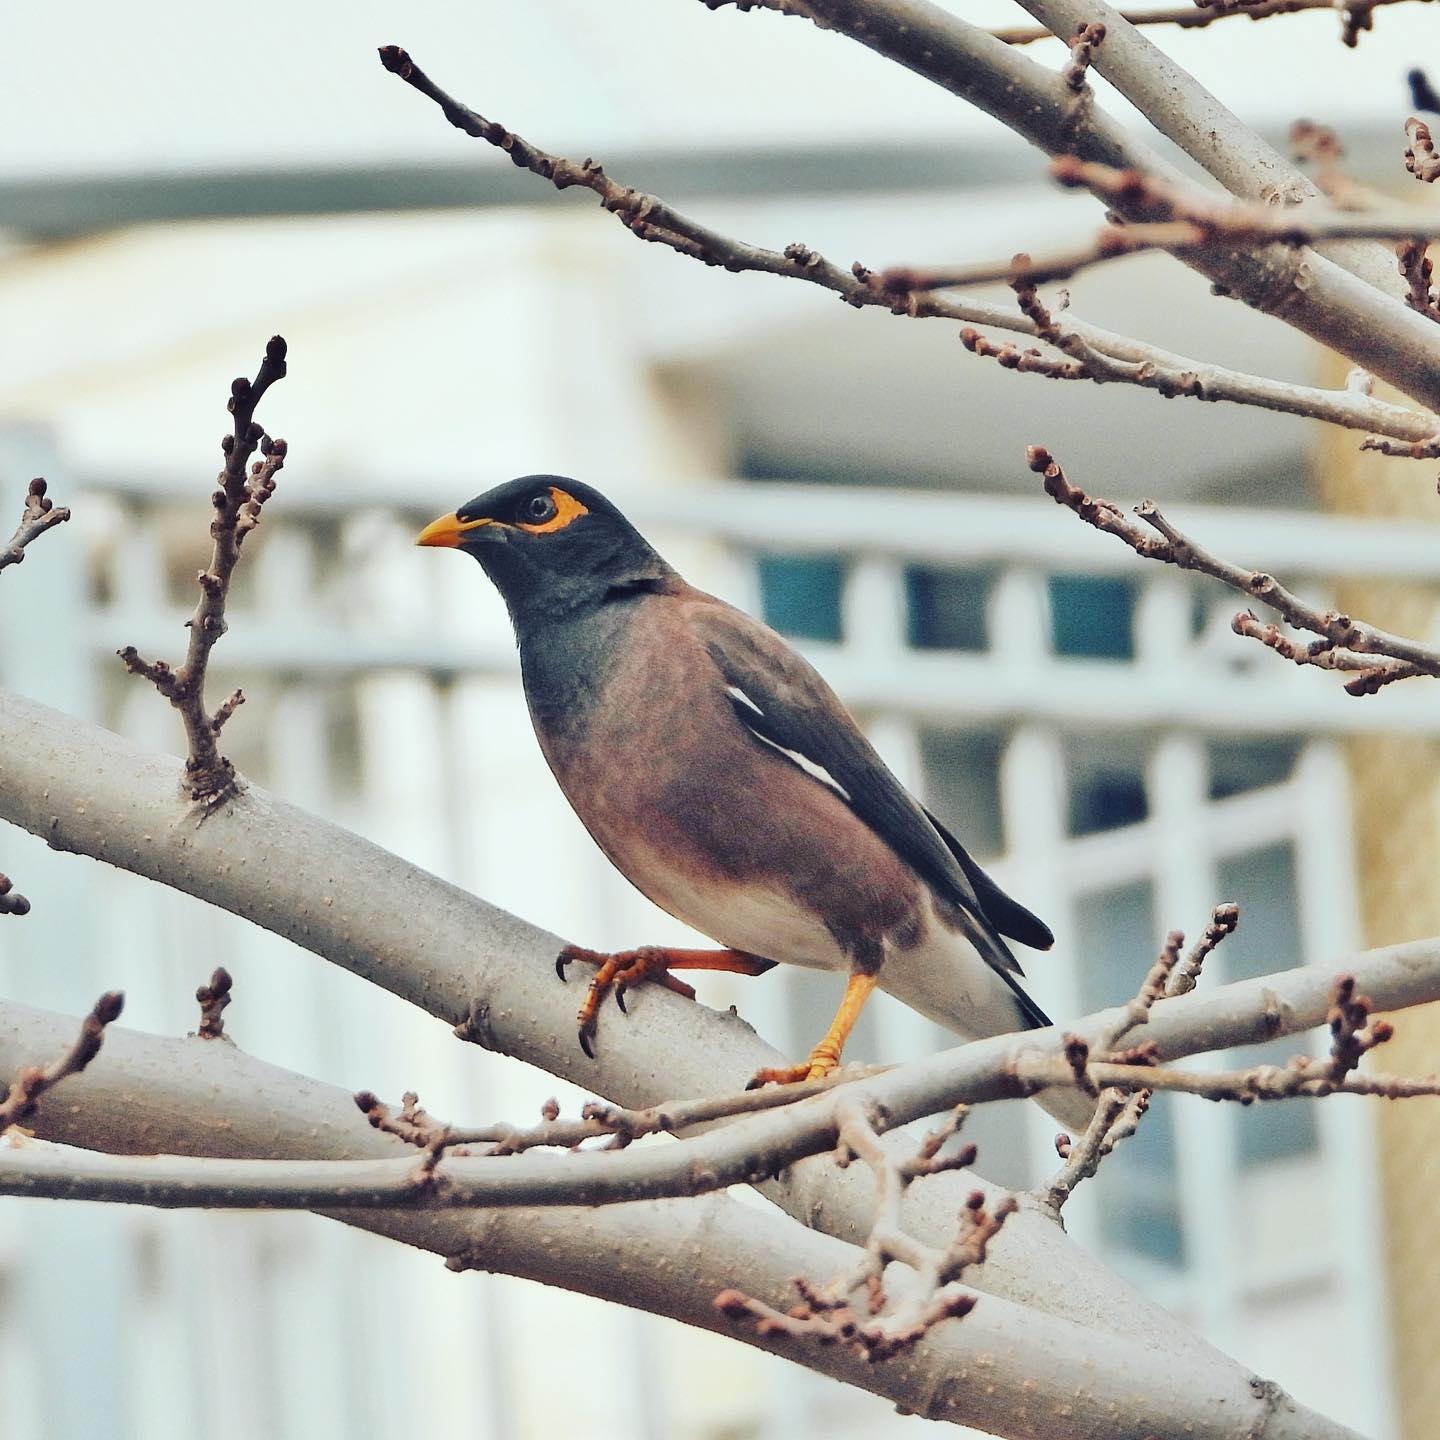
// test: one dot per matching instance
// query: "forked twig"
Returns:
(210, 778)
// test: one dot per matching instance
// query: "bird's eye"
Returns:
(538, 509)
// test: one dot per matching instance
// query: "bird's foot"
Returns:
(821, 1062)
(617, 973)
(625, 968)
(826, 1055)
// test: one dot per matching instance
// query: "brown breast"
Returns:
(696, 812)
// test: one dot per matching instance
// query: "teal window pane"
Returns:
(1092, 616)
(800, 595)
(1107, 782)
(1139, 1186)
(945, 609)
(1250, 764)
(962, 785)
(1263, 884)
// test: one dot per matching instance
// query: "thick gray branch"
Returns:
(1314, 294)
(1043, 1378)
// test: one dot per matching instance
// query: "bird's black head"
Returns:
(552, 546)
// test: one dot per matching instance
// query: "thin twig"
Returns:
(1189, 17)
(857, 1308)
(40, 514)
(1118, 1113)
(588, 1178)
(33, 1081)
(242, 491)
(1342, 642)
(1083, 1157)
(1223, 920)
(1415, 269)
(1181, 223)
(598, 1121)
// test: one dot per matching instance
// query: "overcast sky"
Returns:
(174, 85)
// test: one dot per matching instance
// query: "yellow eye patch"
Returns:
(567, 510)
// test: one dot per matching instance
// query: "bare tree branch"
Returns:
(1318, 296)
(1342, 643)
(210, 778)
(1415, 270)
(457, 957)
(184, 1097)
(1135, 362)
(856, 1309)
(40, 514)
(1184, 223)
(1118, 1113)
(474, 966)
(1186, 113)
(851, 1119)
(1116, 1116)
(1191, 17)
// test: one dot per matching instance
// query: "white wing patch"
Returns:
(736, 693)
(812, 768)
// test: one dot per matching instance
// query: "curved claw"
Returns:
(623, 971)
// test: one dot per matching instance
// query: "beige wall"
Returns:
(1397, 843)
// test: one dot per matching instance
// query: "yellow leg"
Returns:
(826, 1055)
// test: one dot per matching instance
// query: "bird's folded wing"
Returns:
(1007, 914)
(781, 700)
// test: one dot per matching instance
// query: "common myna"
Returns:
(724, 778)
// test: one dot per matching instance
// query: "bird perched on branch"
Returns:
(725, 779)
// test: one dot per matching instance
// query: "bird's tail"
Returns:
(1072, 1107)
(952, 981)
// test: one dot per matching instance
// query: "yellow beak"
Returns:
(448, 530)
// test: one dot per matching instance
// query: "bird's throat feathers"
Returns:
(567, 660)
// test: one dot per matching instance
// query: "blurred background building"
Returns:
(1088, 723)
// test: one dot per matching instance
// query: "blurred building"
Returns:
(1086, 722)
